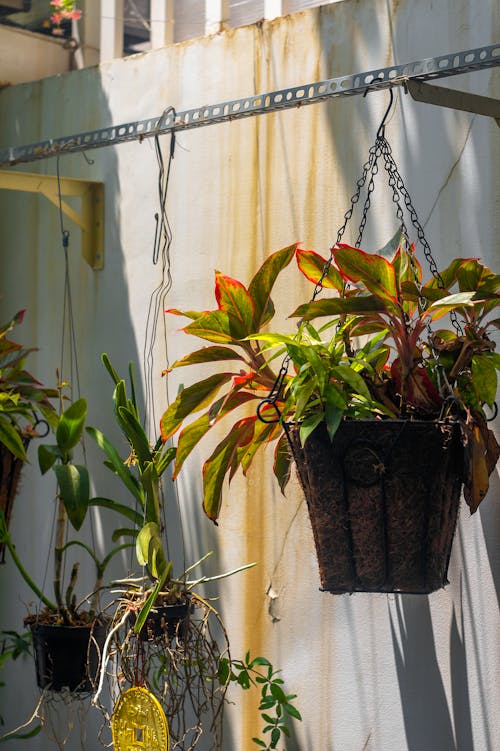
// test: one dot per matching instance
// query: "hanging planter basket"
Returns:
(10, 472)
(67, 657)
(383, 500)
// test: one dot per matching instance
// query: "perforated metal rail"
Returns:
(380, 78)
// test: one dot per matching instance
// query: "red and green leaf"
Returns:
(312, 265)
(191, 399)
(375, 273)
(233, 298)
(261, 286)
(206, 354)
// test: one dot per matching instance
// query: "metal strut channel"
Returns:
(380, 78)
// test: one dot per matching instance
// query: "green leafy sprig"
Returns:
(275, 705)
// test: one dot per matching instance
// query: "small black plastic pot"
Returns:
(67, 657)
(167, 621)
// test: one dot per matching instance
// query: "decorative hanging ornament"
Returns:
(139, 722)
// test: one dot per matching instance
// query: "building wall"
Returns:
(25, 56)
(372, 672)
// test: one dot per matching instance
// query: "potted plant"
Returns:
(375, 366)
(164, 636)
(24, 403)
(67, 636)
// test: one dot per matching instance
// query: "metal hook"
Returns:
(381, 130)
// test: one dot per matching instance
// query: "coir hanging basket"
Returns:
(383, 500)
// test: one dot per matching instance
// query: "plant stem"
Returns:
(58, 553)
(27, 578)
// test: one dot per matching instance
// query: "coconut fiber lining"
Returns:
(383, 501)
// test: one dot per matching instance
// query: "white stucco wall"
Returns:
(25, 56)
(372, 672)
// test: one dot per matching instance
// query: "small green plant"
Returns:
(275, 705)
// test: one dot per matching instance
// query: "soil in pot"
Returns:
(383, 500)
(67, 657)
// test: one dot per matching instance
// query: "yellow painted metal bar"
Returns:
(90, 218)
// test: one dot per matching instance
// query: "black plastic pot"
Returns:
(166, 621)
(67, 656)
(383, 500)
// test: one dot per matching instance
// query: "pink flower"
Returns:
(75, 14)
(56, 3)
(56, 18)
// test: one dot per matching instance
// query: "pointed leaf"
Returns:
(233, 298)
(373, 271)
(47, 457)
(70, 428)
(282, 462)
(117, 464)
(312, 265)
(207, 354)
(11, 439)
(191, 399)
(214, 326)
(339, 306)
(135, 434)
(220, 462)
(118, 508)
(74, 490)
(261, 286)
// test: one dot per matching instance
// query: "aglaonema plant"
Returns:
(375, 357)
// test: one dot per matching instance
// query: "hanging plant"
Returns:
(399, 370)
(63, 11)
(25, 413)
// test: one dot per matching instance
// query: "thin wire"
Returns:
(157, 303)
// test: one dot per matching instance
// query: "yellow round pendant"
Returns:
(139, 722)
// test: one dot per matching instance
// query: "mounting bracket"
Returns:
(90, 219)
(453, 99)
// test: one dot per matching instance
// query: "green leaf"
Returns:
(282, 462)
(74, 491)
(220, 462)
(165, 460)
(259, 742)
(278, 693)
(214, 326)
(191, 399)
(484, 379)
(224, 671)
(149, 549)
(353, 379)
(261, 286)
(47, 456)
(107, 364)
(70, 428)
(150, 483)
(11, 439)
(150, 601)
(292, 711)
(339, 306)
(308, 425)
(275, 737)
(117, 464)
(135, 434)
(207, 354)
(118, 508)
